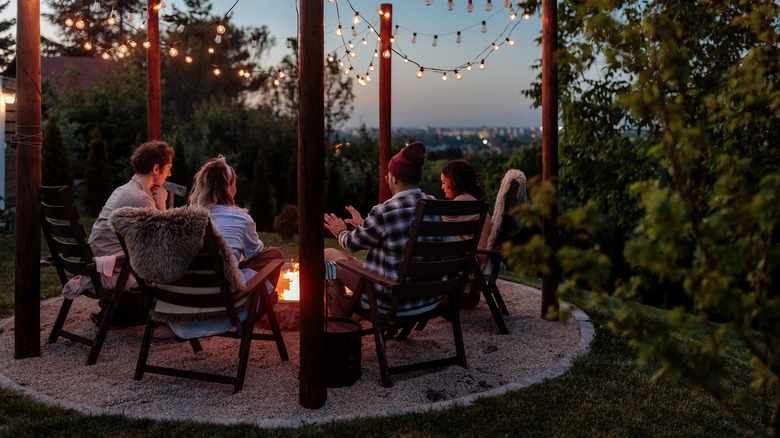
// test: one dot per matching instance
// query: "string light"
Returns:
(147, 44)
(123, 49)
(112, 18)
(142, 26)
(96, 6)
(120, 55)
(371, 67)
(347, 71)
(488, 6)
(289, 43)
(450, 5)
(420, 73)
(428, 2)
(87, 46)
(133, 44)
(511, 42)
(241, 72)
(218, 39)
(105, 55)
(330, 58)
(512, 14)
(392, 40)
(281, 74)
(484, 27)
(173, 52)
(354, 32)
(130, 17)
(414, 37)
(146, 13)
(364, 42)
(371, 29)
(211, 50)
(351, 46)
(356, 18)
(80, 24)
(217, 71)
(435, 40)
(376, 54)
(470, 7)
(188, 59)
(180, 29)
(496, 47)
(507, 3)
(457, 39)
(368, 77)
(468, 66)
(458, 76)
(482, 65)
(276, 82)
(254, 44)
(444, 76)
(352, 54)
(68, 22)
(341, 63)
(406, 60)
(395, 30)
(526, 16)
(220, 28)
(386, 53)
(338, 31)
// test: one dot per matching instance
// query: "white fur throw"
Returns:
(499, 210)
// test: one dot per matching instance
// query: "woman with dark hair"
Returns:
(460, 182)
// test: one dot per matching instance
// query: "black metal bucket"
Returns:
(343, 351)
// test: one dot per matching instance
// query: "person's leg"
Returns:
(259, 261)
(338, 300)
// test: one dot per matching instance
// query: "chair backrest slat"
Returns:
(439, 268)
(439, 229)
(194, 297)
(60, 229)
(428, 289)
(441, 249)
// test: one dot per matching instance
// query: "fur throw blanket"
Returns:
(162, 244)
(503, 207)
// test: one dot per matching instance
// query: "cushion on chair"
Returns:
(503, 205)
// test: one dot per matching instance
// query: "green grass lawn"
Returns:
(604, 394)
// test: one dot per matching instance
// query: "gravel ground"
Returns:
(270, 395)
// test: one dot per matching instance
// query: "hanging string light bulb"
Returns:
(526, 16)
(482, 65)
(120, 55)
(496, 47)
(341, 63)
(414, 37)
(354, 32)
(395, 30)
(254, 44)
(105, 55)
(484, 27)
(444, 76)
(457, 38)
(87, 46)
(338, 31)
(428, 2)
(368, 77)
(180, 29)
(142, 26)
(211, 50)
(458, 76)
(376, 54)
(364, 42)
(507, 3)
(188, 59)
(347, 71)
(392, 40)
(133, 44)
(371, 29)
(512, 14)
(450, 5)
(470, 6)
(147, 44)
(420, 73)
(241, 72)
(356, 18)
(371, 66)
(435, 40)
(79, 24)
(351, 46)
(96, 6)
(217, 71)
(247, 74)
(387, 53)
(352, 54)
(331, 58)
(123, 49)
(173, 52)
(406, 60)
(69, 22)
(146, 13)
(130, 16)
(218, 39)
(488, 6)
(468, 66)
(276, 82)
(281, 74)
(510, 42)
(112, 18)
(220, 28)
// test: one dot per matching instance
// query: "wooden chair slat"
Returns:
(440, 229)
(436, 269)
(441, 249)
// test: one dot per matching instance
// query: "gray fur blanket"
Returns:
(161, 244)
(500, 210)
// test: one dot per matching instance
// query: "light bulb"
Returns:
(79, 24)
(526, 16)
(364, 42)
(338, 31)
(289, 44)
(142, 26)
(488, 6)
(96, 6)
(435, 40)
(414, 37)
(468, 67)
(331, 1)
(346, 72)
(379, 38)
(241, 72)
(120, 55)
(371, 67)
(330, 58)
(428, 2)
(87, 46)
(470, 7)
(254, 44)
(511, 42)
(450, 5)
(180, 29)
(354, 32)
(420, 73)
(507, 3)
(173, 52)
(112, 17)
(368, 77)
(444, 77)
(211, 50)
(406, 60)
(133, 44)
(457, 39)
(351, 46)
(376, 54)
(147, 44)
(188, 59)
(341, 63)
(217, 71)
(105, 55)
(482, 65)
(386, 53)
(356, 18)
(387, 15)
(146, 14)
(512, 14)
(458, 76)
(484, 27)
(218, 39)
(392, 40)
(496, 47)
(371, 29)
(68, 22)
(281, 74)
(220, 29)
(276, 82)
(395, 30)
(123, 49)
(352, 54)
(247, 74)
(130, 17)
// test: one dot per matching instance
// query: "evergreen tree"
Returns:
(260, 206)
(7, 41)
(291, 188)
(55, 162)
(368, 194)
(180, 173)
(97, 177)
(334, 193)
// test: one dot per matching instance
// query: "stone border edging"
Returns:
(587, 332)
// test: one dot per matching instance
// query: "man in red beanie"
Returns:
(384, 234)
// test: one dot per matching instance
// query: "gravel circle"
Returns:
(534, 350)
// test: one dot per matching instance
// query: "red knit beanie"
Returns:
(407, 165)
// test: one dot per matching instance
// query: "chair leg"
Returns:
(144, 353)
(105, 324)
(275, 329)
(60, 321)
(381, 354)
(500, 301)
(195, 344)
(243, 356)
(457, 332)
(488, 292)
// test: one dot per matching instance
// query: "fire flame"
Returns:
(292, 292)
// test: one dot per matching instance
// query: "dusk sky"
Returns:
(489, 97)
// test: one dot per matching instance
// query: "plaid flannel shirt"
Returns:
(384, 233)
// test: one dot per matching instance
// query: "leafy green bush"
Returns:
(55, 161)
(286, 224)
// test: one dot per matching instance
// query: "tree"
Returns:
(97, 176)
(261, 207)
(7, 40)
(55, 162)
(676, 146)
(334, 194)
(96, 30)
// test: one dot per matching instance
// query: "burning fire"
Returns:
(292, 291)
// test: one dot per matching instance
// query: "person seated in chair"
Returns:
(460, 182)
(384, 233)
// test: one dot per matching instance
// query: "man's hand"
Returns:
(334, 224)
(160, 195)
(356, 220)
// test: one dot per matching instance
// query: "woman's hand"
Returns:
(356, 220)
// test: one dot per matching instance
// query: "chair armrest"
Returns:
(258, 279)
(368, 275)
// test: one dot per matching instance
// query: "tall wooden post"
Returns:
(550, 146)
(311, 177)
(385, 77)
(153, 73)
(27, 283)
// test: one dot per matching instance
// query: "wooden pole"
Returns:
(27, 283)
(311, 177)
(550, 148)
(385, 76)
(153, 73)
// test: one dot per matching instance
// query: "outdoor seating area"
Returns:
(534, 349)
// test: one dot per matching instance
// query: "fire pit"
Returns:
(287, 310)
